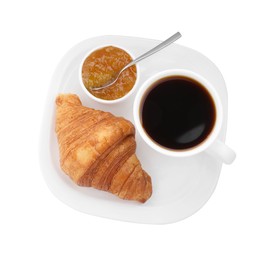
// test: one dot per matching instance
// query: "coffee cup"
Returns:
(179, 113)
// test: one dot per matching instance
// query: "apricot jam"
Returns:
(101, 66)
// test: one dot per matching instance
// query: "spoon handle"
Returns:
(155, 49)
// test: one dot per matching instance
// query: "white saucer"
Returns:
(180, 186)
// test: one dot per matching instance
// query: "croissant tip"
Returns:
(143, 200)
(72, 99)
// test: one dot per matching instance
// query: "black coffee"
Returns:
(178, 112)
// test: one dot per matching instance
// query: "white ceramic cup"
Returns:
(212, 144)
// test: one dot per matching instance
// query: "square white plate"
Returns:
(180, 186)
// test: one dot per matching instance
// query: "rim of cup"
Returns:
(104, 101)
(142, 94)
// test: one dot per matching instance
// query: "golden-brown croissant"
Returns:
(97, 150)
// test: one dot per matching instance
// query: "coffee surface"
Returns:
(178, 113)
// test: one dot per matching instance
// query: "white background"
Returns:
(36, 34)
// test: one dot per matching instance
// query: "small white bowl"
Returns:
(104, 101)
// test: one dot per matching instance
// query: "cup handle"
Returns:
(221, 152)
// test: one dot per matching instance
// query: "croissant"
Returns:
(97, 149)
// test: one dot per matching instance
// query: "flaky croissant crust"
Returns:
(97, 150)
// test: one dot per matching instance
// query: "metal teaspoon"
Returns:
(143, 56)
